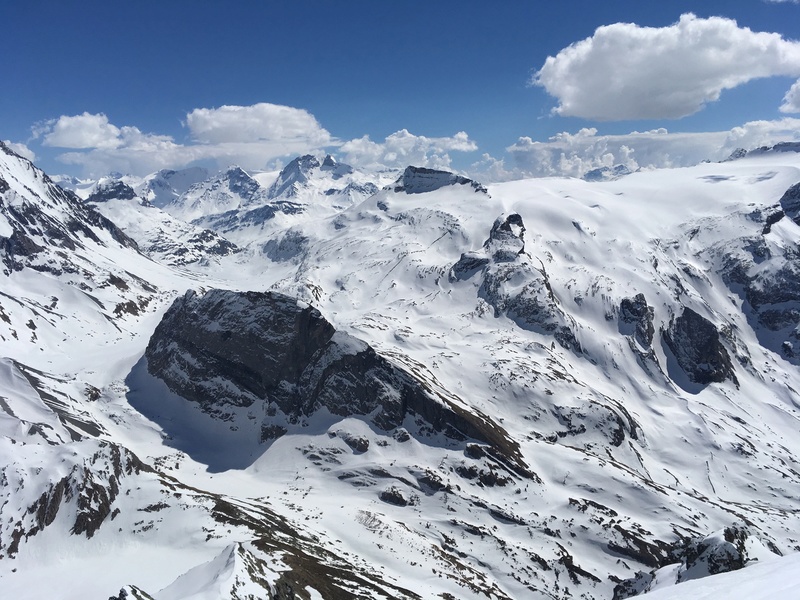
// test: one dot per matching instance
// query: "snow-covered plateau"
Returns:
(330, 383)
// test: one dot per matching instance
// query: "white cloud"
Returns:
(625, 71)
(250, 136)
(256, 123)
(575, 154)
(402, 148)
(81, 131)
(21, 149)
(791, 101)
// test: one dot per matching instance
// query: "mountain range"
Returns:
(331, 383)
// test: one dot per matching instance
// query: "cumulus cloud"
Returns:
(81, 131)
(791, 101)
(573, 155)
(256, 123)
(250, 136)
(625, 71)
(21, 149)
(403, 148)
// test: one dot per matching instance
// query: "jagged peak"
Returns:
(294, 174)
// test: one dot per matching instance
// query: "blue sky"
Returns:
(94, 86)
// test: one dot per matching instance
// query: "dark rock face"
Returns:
(767, 277)
(89, 490)
(790, 203)
(112, 190)
(636, 319)
(719, 552)
(419, 180)
(636, 324)
(230, 349)
(336, 168)
(512, 285)
(695, 342)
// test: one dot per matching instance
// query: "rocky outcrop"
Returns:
(607, 173)
(86, 493)
(766, 275)
(337, 169)
(695, 343)
(636, 320)
(729, 549)
(112, 190)
(419, 180)
(790, 203)
(230, 349)
(512, 285)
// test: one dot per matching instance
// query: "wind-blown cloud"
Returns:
(625, 71)
(574, 155)
(402, 148)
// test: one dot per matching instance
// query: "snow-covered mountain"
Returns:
(429, 388)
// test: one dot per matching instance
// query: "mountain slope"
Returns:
(627, 347)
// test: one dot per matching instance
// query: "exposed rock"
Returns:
(131, 592)
(506, 239)
(696, 345)
(112, 190)
(90, 488)
(291, 246)
(512, 285)
(394, 495)
(336, 168)
(607, 173)
(419, 180)
(636, 319)
(720, 552)
(769, 282)
(228, 349)
(790, 203)
(37, 228)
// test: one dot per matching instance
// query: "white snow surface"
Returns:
(693, 459)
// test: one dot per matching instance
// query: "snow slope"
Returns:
(627, 339)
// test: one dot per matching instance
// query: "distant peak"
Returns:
(294, 174)
(607, 173)
(112, 189)
(330, 164)
(419, 180)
